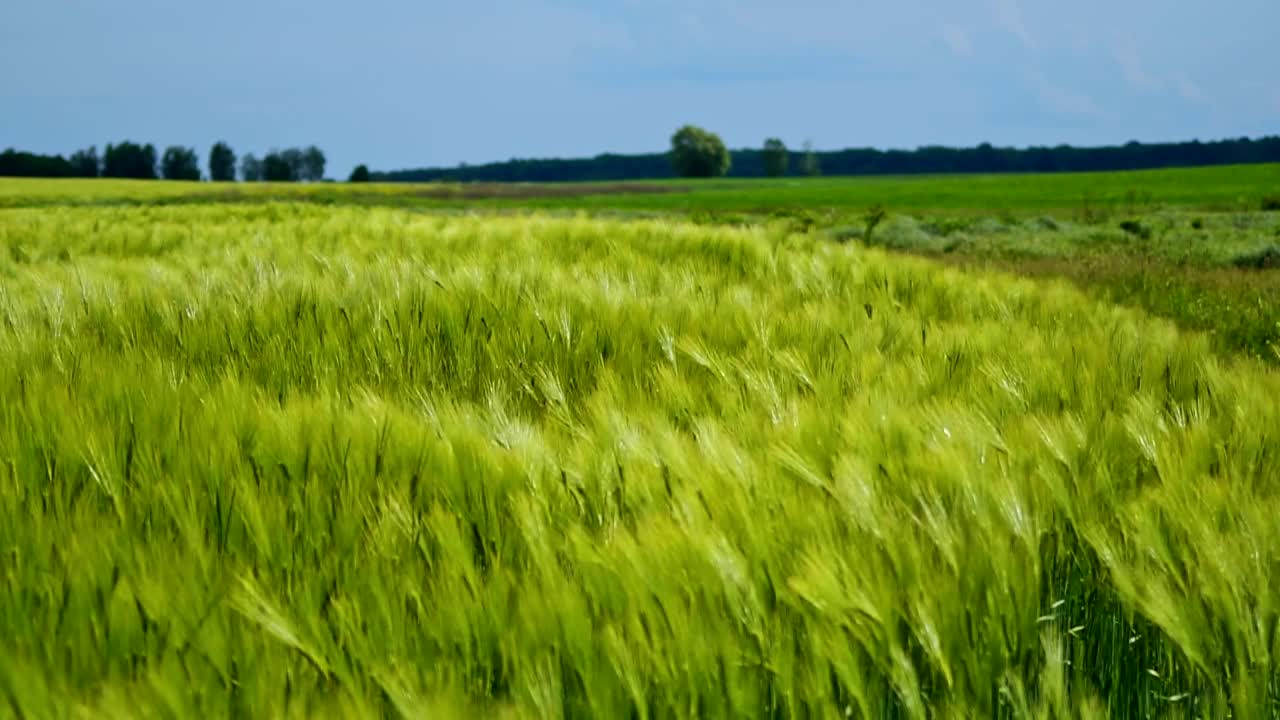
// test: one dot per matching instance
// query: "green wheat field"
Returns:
(292, 457)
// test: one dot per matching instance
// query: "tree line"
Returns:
(775, 159)
(694, 152)
(142, 162)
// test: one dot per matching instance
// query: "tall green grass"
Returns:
(1210, 273)
(290, 461)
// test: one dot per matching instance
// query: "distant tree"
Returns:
(990, 159)
(698, 153)
(250, 168)
(866, 161)
(312, 165)
(277, 166)
(222, 163)
(180, 163)
(130, 160)
(776, 158)
(25, 164)
(294, 158)
(359, 175)
(84, 163)
(811, 166)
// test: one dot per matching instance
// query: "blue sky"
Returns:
(398, 84)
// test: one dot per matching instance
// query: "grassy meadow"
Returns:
(1216, 273)
(1227, 188)
(353, 452)
(1195, 246)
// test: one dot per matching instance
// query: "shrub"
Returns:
(1136, 228)
(945, 227)
(1266, 258)
(874, 216)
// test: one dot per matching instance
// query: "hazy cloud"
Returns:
(1189, 90)
(1125, 51)
(1063, 100)
(958, 40)
(1135, 72)
(521, 36)
(1008, 17)
(1078, 36)
(1271, 95)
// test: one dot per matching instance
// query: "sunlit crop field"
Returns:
(286, 460)
(1228, 188)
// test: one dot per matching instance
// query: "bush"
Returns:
(1136, 228)
(873, 217)
(1047, 223)
(901, 232)
(1267, 258)
(944, 227)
